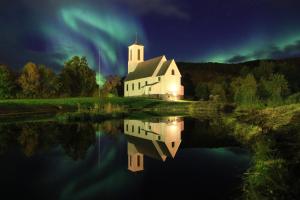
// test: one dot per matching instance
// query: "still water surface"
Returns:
(121, 159)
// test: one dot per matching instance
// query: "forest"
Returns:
(257, 83)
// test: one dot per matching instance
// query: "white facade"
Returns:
(157, 77)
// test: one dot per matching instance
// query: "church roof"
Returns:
(144, 69)
(164, 68)
(148, 148)
(137, 43)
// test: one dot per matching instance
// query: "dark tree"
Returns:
(77, 79)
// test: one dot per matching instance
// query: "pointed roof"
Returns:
(144, 69)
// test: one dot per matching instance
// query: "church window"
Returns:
(173, 72)
(130, 160)
(138, 160)
(173, 144)
(139, 54)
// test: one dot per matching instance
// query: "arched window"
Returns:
(173, 72)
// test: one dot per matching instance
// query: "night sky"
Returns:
(51, 31)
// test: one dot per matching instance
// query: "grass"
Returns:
(23, 108)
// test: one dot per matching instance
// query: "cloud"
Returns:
(271, 52)
(169, 8)
(237, 59)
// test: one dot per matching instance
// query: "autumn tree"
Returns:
(77, 79)
(29, 80)
(49, 84)
(6, 83)
(110, 85)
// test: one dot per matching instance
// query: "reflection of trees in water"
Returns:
(33, 137)
(206, 133)
(76, 139)
(111, 127)
(8, 134)
(29, 139)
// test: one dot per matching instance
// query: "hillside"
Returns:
(206, 72)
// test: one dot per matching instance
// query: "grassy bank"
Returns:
(273, 135)
(22, 108)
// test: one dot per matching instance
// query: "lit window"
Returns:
(173, 72)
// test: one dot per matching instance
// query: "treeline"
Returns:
(257, 83)
(76, 79)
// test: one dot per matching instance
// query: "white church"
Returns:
(155, 78)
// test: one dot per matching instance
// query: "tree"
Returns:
(202, 91)
(77, 79)
(245, 90)
(110, 85)
(49, 82)
(276, 88)
(264, 70)
(218, 90)
(30, 80)
(6, 83)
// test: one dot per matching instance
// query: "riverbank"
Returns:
(24, 108)
(273, 136)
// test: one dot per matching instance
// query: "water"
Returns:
(121, 159)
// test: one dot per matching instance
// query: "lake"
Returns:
(161, 158)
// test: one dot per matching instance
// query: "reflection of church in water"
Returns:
(157, 139)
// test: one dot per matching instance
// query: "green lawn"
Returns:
(16, 106)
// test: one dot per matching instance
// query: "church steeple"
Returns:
(135, 55)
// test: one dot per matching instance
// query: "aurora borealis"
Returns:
(50, 32)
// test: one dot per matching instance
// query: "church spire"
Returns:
(136, 38)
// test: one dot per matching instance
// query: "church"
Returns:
(154, 78)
